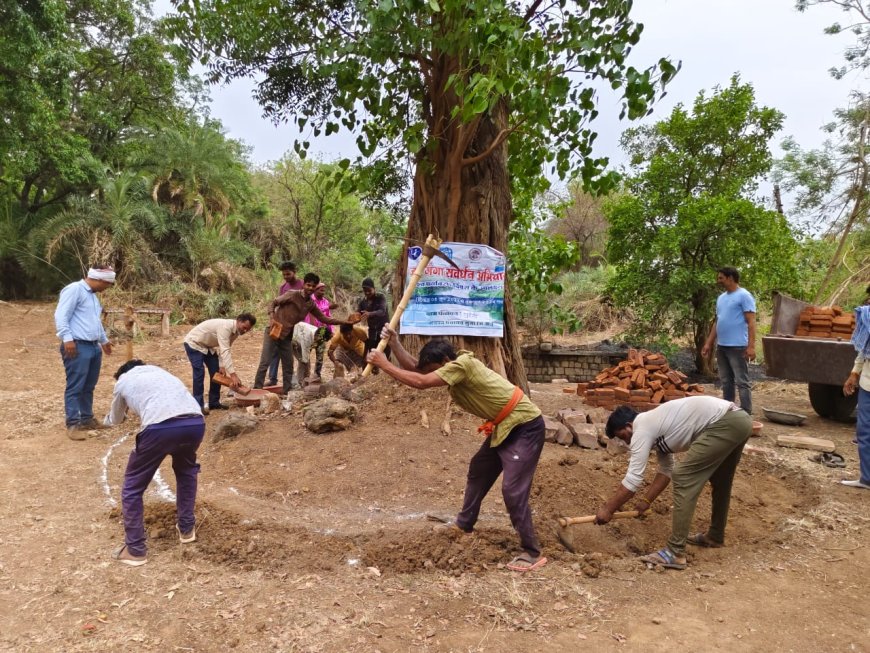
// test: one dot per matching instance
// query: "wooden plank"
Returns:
(805, 442)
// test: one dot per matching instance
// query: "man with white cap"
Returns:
(83, 343)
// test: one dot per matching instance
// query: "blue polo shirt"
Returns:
(732, 329)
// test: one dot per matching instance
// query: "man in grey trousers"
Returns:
(712, 432)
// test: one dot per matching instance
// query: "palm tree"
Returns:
(116, 225)
(197, 170)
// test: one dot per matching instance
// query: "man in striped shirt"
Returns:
(712, 431)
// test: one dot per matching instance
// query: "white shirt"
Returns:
(152, 393)
(303, 340)
(670, 428)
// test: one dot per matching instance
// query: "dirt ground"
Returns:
(322, 542)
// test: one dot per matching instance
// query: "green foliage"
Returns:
(857, 56)
(687, 212)
(536, 260)
(831, 187)
(341, 65)
(315, 220)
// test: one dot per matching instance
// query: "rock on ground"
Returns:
(233, 426)
(329, 414)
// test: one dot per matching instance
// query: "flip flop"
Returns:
(701, 539)
(524, 562)
(663, 558)
(122, 554)
(829, 459)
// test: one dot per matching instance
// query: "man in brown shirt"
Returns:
(288, 310)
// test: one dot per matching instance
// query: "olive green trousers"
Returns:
(713, 457)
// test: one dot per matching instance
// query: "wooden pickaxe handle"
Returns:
(588, 519)
(431, 241)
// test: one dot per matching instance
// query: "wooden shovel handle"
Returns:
(588, 519)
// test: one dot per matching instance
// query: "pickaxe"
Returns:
(430, 250)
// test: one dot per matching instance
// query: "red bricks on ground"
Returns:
(643, 381)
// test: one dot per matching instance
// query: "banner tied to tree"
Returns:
(468, 301)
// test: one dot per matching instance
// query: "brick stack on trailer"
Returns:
(643, 381)
(825, 322)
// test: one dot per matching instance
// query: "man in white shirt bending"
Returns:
(171, 425)
(712, 431)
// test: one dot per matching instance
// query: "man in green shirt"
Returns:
(514, 432)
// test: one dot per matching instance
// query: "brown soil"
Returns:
(327, 542)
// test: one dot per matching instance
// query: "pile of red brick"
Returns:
(825, 322)
(643, 381)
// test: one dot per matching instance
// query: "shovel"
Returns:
(566, 537)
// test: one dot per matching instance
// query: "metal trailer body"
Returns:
(824, 364)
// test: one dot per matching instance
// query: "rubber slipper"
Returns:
(829, 459)
(663, 558)
(122, 554)
(701, 539)
(858, 484)
(524, 562)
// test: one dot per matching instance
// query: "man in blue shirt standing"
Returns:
(83, 343)
(735, 330)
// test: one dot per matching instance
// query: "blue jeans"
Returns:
(863, 434)
(734, 373)
(82, 374)
(199, 361)
(178, 437)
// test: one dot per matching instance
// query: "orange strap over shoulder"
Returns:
(487, 427)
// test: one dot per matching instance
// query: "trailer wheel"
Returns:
(829, 401)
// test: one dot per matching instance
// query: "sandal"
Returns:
(525, 562)
(664, 558)
(701, 539)
(122, 554)
(829, 459)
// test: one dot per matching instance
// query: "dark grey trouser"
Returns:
(518, 458)
(283, 349)
(713, 457)
(734, 373)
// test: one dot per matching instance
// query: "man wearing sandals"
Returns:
(514, 432)
(171, 425)
(712, 432)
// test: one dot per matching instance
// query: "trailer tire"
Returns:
(829, 402)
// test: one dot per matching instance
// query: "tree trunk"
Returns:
(461, 199)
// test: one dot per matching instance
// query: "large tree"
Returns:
(831, 187)
(689, 209)
(480, 96)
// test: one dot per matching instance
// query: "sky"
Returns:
(784, 54)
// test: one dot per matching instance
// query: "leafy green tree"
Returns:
(858, 24)
(314, 222)
(198, 173)
(688, 210)
(581, 220)
(831, 187)
(116, 226)
(481, 97)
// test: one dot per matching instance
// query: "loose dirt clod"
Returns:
(329, 414)
(233, 426)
